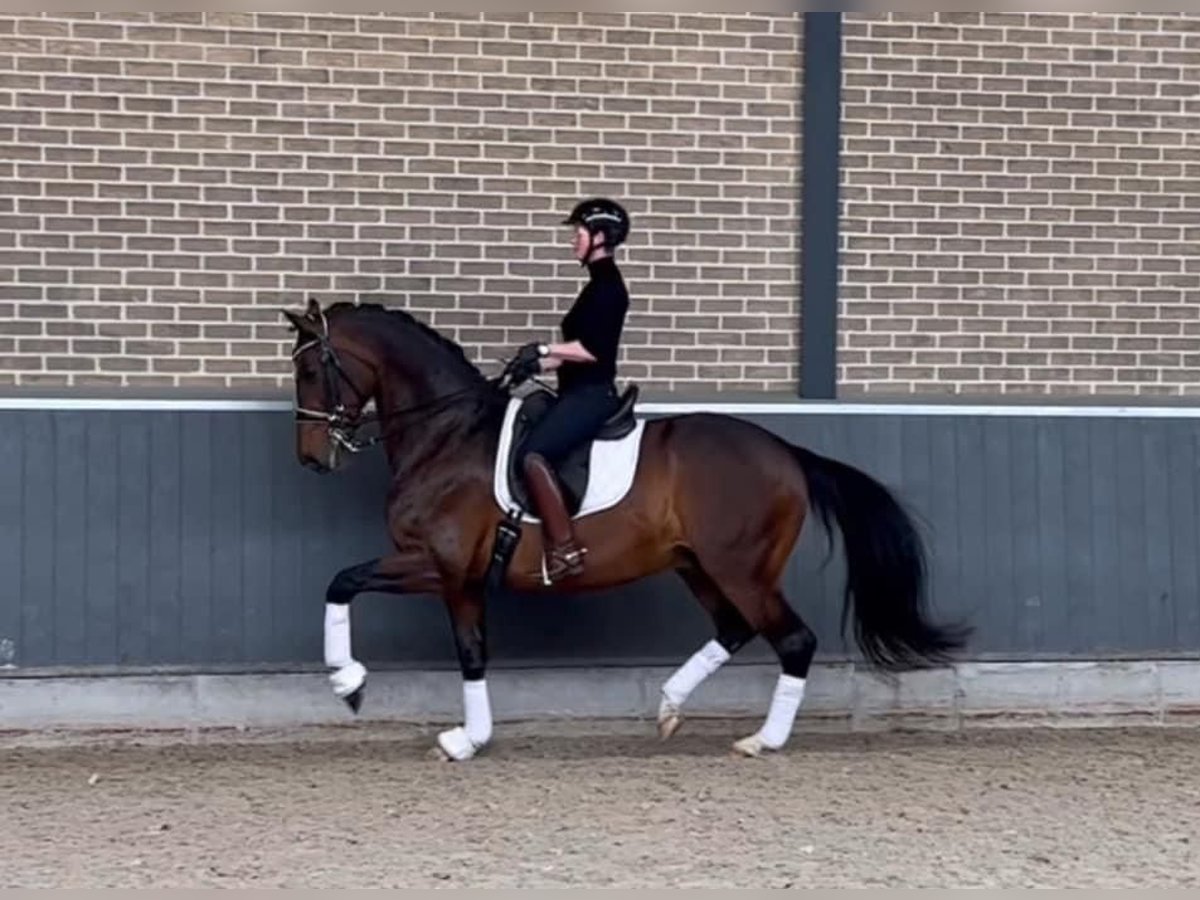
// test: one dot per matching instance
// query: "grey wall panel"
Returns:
(1180, 545)
(1052, 533)
(142, 538)
(12, 534)
(40, 551)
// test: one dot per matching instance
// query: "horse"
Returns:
(717, 499)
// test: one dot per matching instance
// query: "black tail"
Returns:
(885, 565)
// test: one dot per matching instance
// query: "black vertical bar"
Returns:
(821, 137)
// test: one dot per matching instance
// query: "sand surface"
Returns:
(604, 804)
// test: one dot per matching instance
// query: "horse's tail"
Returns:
(886, 569)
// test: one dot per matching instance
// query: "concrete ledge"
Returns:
(838, 697)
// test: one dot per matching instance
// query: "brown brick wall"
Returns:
(1021, 202)
(168, 180)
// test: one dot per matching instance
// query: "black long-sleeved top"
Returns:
(596, 320)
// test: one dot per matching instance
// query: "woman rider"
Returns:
(586, 362)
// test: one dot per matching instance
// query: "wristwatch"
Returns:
(543, 349)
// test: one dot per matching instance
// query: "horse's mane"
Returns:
(489, 401)
(406, 319)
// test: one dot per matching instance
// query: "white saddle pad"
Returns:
(610, 475)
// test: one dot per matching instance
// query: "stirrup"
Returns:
(570, 561)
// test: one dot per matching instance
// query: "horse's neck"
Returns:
(414, 379)
(417, 369)
(425, 415)
(402, 390)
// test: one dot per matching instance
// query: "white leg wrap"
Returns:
(349, 674)
(337, 635)
(466, 740)
(703, 663)
(789, 691)
(477, 709)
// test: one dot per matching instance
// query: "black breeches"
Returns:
(575, 417)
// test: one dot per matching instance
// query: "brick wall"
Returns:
(1021, 204)
(168, 181)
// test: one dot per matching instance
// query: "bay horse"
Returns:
(717, 499)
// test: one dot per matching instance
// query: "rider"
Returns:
(586, 361)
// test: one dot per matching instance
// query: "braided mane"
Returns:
(408, 320)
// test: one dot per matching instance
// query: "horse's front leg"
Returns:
(467, 619)
(400, 573)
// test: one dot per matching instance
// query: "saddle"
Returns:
(574, 471)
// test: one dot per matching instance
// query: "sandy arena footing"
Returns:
(603, 803)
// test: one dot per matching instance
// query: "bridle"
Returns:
(341, 425)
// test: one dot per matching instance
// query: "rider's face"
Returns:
(580, 245)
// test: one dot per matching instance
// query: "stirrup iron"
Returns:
(569, 558)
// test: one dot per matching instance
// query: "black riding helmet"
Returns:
(601, 214)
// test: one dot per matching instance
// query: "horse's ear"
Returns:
(299, 323)
(314, 310)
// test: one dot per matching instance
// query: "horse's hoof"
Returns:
(670, 717)
(751, 746)
(437, 754)
(455, 745)
(668, 725)
(348, 683)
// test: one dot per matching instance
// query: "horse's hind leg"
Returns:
(795, 645)
(759, 600)
(742, 529)
(732, 633)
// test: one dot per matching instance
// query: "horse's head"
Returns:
(335, 376)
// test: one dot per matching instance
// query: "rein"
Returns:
(341, 426)
(343, 433)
